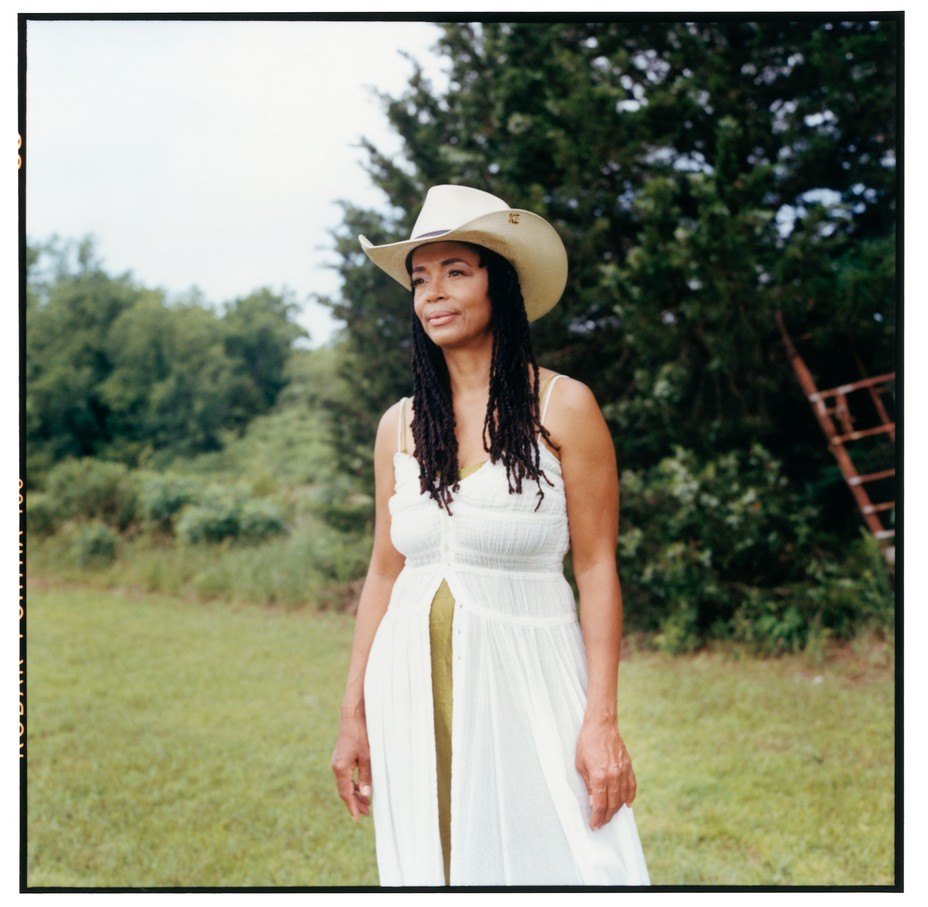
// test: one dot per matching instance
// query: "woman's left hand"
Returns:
(606, 768)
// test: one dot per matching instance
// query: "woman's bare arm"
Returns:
(352, 753)
(591, 483)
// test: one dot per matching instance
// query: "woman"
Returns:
(478, 716)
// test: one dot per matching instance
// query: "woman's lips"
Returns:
(437, 319)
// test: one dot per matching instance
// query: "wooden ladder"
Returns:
(834, 416)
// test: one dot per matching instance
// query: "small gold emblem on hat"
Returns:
(513, 217)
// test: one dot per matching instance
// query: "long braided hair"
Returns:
(512, 422)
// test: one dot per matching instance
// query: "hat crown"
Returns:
(449, 207)
(463, 214)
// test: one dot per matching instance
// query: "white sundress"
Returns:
(519, 809)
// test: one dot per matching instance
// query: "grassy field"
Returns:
(180, 743)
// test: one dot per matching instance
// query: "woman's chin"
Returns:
(454, 335)
(445, 334)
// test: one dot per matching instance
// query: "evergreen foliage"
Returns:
(704, 177)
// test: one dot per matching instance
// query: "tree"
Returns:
(70, 306)
(703, 175)
(114, 370)
(374, 348)
(172, 386)
(259, 333)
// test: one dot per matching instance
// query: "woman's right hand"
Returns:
(352, 753)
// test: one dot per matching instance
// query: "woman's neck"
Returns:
(469, 372)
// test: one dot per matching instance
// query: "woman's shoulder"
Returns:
(569, 407)
(562, 392)
(390, 428)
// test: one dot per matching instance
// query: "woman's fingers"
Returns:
(350, 756)
(606, 768)
(363, 786)
(597, 784)
(346, 786)
(362, 800)
(605, 800)
(610, 789)
(355, 794)
(364, 775)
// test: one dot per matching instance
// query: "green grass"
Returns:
(176, 742)
(179, 744)
(763, 772)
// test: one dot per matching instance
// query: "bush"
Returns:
(853, 593)
(42, 515)
(163, 495)
(773, 625)
(696, 534)
(326, 563)
(92, 489)
(93, 544)
(723, 549)
(210, 521)
(839, 599)
(260, 519)
(219, 515)
(342, 507)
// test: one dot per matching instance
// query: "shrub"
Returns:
(42, 515)
(260, 519)
(839, 599)
(163, 495)
(853, 593)
(334, 560)
(93, 544)
(696, 533)
(723, 549)
(93, 489)
(209, 521)
(341, 506)
(773, 625)
(219, 514)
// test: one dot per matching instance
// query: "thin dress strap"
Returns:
(548, 389)
(401, 428)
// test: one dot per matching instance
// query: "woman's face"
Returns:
(450, 294)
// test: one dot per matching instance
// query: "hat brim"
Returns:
(527, 241)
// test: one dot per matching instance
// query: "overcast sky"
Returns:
(210, 153)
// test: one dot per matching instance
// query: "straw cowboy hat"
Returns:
(462, 214)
